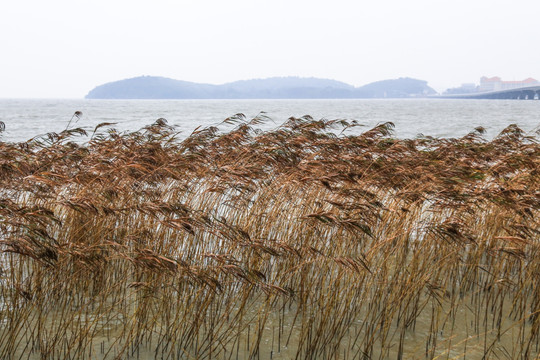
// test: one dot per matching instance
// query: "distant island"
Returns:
(153, 87)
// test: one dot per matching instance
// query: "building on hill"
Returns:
(495, 83)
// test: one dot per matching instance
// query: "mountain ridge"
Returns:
(291, 87)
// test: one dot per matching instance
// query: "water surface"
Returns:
(433, 117)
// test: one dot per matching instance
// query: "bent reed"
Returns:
(301, 242)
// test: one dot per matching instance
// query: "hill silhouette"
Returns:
(153, 87)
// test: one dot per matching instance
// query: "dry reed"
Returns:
(301, 242)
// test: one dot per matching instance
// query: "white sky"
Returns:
(64, 48)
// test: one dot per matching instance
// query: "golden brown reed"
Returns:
(301, 242)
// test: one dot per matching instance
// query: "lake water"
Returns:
(441, 118)
(434, 117)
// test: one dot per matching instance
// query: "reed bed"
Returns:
(302, 242)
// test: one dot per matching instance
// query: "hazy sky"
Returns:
(62, 49)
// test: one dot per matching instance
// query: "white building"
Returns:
(495, 83)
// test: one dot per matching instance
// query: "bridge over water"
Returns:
(522, 93)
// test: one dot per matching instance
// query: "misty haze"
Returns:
(269, 180)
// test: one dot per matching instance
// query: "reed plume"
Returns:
(299, 242)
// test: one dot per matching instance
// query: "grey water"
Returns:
(25, 119)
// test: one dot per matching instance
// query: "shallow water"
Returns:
(468, 335)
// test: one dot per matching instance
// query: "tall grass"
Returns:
(296, 243)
